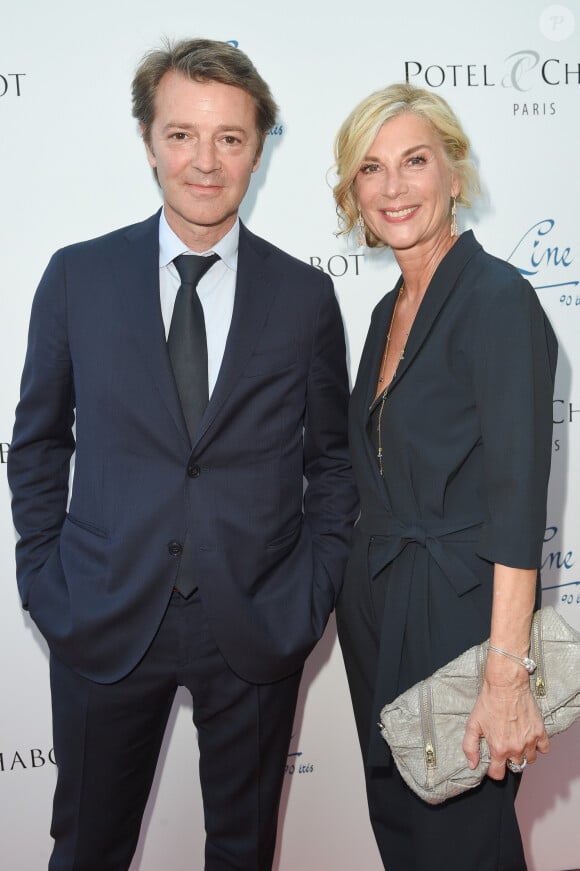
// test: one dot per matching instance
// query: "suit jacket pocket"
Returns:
(85, 552)
(87, 526)
(72, 541)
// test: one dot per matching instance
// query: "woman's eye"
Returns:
(369, 168)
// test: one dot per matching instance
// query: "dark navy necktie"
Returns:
(187, 343)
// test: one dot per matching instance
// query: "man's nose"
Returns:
(205, 156)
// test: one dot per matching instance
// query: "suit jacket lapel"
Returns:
(256, 284)
(136, 270)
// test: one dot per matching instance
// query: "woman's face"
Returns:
(404, 185)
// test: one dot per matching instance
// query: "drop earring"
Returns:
(361, 239)
(454, 230)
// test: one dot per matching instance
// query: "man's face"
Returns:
(204, 145)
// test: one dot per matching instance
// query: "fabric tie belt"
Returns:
(394, 536)
(388, 538)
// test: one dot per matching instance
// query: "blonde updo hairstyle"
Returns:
(360, 129)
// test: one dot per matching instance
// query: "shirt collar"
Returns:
(170, 245)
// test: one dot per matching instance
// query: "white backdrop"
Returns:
(72, 166)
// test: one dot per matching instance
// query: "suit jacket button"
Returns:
(193, 471)
(174, 548)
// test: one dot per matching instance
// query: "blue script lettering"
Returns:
(556, 559)
(533, 254)
(536, 253)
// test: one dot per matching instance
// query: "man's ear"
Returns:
(148, 150)
(258, 157)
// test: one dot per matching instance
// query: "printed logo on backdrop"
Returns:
(338, 265)
(529, 78)
(4, 448)
(521, 71)
(564, 416)
(296, 764)
(11, 84)
(546, 258)
(559, 570)
(31, 759)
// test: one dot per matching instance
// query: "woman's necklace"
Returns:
(382, 378)
(388, 339)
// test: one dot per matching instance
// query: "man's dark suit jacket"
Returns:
(97, 382)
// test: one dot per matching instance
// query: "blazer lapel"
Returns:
(438, 291)
(256, 284)
(136, 270)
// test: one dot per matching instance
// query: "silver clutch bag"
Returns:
(425, 726)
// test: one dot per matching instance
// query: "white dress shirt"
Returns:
(216, 289)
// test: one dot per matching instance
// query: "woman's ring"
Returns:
(514, 767)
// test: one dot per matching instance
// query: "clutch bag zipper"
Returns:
(538, 656)
(430, 758)
(482, 659)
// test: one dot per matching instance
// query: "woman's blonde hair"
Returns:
(358, 132)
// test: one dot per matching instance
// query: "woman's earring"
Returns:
(454, 230)
(361, 238)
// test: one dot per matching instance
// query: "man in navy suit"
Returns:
(189, 555)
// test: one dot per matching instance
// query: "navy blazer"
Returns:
(98, 384)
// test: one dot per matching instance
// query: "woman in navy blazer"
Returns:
(450, 433)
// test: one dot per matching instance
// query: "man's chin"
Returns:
(200, 221)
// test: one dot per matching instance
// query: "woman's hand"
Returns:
(507, 716)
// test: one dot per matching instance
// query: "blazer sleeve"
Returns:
(330, 502)
(43, 441)
(514, 368)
